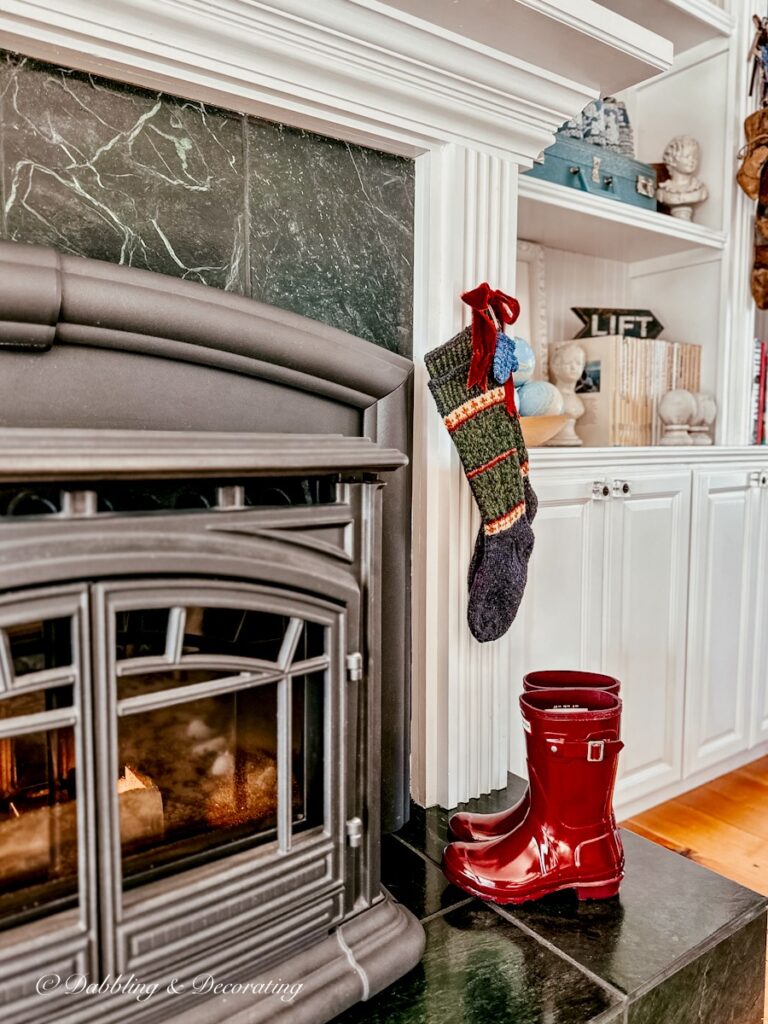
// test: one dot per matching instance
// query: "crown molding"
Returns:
(358, 70)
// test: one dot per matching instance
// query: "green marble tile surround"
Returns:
(679, 945)
(724, 985)
(479, 969)
(97, 168)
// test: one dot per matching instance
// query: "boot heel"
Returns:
(597, 892)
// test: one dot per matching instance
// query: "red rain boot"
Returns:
(568, 839)
(467, 826)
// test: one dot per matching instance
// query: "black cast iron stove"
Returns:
(192, 653)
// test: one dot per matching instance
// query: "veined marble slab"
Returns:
(102, 169)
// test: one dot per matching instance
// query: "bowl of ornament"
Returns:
(539, 403)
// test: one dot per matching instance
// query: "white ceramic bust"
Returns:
(566, 366)
(676, 409)
(683, 190)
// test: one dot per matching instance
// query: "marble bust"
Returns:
(676, 409)
(566, 367)
(700, 429)
(683, 190)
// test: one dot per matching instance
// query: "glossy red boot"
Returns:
(568, 838)
(465, 825)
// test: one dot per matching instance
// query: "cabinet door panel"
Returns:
(645, 618)
(720, 631)
(558, 625)
(759, 715)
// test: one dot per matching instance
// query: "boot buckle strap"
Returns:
(595, 750)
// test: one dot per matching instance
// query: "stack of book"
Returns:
(759, 358)
(624, 379)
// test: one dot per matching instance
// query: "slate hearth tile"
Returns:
(414, 881)
(427, 828)
(99, 169)
(479, 969)
(332, 232)
(667, 910)
(700, 993)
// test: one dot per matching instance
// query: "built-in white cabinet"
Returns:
(607, 591)
(646, 552)
(759, 715)
(656, 573)
(559, 623)
(725, 530)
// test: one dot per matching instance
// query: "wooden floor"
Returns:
(723, 825)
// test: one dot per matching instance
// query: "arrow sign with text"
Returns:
(632, 323)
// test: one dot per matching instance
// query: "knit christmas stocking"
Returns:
(531, 501)
(491, 447)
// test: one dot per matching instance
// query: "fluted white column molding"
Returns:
(465, 233)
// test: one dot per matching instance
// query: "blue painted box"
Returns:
(599, 171)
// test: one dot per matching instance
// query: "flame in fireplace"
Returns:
(133, 779)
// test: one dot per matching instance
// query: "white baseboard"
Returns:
(629, 809)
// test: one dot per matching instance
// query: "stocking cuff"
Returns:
(453, 355)
(456, 403)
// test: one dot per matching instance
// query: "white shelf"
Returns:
(682, 455)
(566, 218)
(687, 23)
(579, 39)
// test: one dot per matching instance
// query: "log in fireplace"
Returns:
(191, 666)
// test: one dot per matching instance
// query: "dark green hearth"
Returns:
(680, 945)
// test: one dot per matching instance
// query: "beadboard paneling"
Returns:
(576, 280)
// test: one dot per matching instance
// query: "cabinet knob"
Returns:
(600, 490)
(621, 488)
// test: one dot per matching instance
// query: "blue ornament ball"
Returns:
(526, 361)
(539, 398)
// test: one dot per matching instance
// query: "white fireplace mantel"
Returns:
(357, 69)
(471, 115)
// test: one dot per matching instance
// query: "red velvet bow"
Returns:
(486, 302)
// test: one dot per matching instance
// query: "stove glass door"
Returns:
(205, 693)
(220, 714)
(172, 771)
(42, 665)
